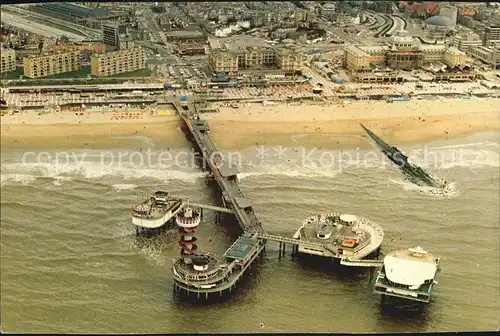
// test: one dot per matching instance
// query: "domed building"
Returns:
(440, 21)
(402, 39)
(447, 18)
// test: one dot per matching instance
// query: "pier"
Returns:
(223, 172)
(203, 273)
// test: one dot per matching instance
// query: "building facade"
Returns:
(454, 57)
(356, 59)
(233, 63)
(404, 53)
(432, 52)
(116, 62)
(491, 34)
(8, 60)
(37, 66)
(487, 55)
(111, 33)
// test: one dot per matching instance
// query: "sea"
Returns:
(71, 262)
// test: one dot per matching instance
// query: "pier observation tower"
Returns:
(188, 220)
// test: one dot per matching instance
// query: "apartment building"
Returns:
(487, 55)
(8, 60)
(466, 42)
(36, 66)
(116, 62)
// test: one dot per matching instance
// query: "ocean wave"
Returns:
(447, 157)
(16, 178)
(289, 170)
(90, 170)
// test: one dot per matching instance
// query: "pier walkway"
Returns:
(224, 173)
(291, 241)
(211, 207)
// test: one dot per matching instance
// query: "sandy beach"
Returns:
(326, 126)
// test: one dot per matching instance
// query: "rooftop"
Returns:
(52, 53)
(406, 268)
(116, 52)
(440, 20)
(241, 248)
(184, 33)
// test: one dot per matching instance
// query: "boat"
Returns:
(337, 235)
(156, 211)
(414, 173)
(408, 274)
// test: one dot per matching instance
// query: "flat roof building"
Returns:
(8, 60)
(488, 55)
(43, 65)
(186, 36)
(466, 42)
(454, 57)
(111, 33)
(117, 62)
(491, 34)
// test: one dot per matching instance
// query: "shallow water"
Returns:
(71, 262)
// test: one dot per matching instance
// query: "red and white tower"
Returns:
(188, 220)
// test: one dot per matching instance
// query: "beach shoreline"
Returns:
(307, 125)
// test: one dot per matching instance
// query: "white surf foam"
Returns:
(123, 186)
(450, 190)
(16, 178)
(91, 170)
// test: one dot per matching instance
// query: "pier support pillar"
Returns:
(382, 300)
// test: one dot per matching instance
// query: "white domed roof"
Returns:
(410, 267)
